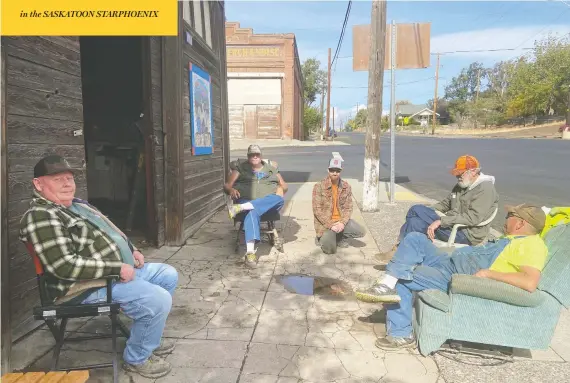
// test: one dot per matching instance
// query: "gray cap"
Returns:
(336, 163)
(253, 149)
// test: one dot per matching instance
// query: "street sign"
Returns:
(412, 46)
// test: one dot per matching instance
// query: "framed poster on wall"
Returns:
(201, 115)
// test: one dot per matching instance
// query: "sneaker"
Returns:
(395, 343)
(378, 293)
(386, 256)
(166, 347)
(251, 260)
(155, 367)
(343, 243)
(234, 210)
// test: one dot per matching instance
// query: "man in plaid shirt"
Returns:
(77, 246)
(332, 208)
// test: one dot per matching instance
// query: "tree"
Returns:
(312, 119)
(315, 80)
(359, 121)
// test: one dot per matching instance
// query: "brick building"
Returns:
(265, 84)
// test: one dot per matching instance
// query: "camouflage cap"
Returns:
(253, 149)
(50, 165)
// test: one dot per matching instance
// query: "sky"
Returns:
(455, 25)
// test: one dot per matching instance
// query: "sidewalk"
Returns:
(232, 324)
(241, 144)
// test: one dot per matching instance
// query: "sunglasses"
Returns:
(512, 215)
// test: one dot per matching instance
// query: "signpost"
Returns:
(409, 46)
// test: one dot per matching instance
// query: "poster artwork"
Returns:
(201, 119)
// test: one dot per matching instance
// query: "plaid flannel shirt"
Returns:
(323, 204)
(70, 248)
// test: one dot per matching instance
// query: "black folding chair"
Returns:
(50, 313)
(270, 230)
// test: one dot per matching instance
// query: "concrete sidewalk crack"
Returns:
(261, 309)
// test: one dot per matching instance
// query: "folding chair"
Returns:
(50, 313)
(268, 219)
(451, 241)
(270, 230)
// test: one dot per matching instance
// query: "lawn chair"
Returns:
(50, 313)
(267, 219)
(451, 241)
(489, 312)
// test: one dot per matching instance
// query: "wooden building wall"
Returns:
(204, 175)
(44, 107)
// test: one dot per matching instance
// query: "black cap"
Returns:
(50, 165)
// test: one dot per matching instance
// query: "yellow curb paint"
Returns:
(407, 196)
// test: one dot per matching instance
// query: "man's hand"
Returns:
(139, 259)
(127, 273)
(234, 194)
(432, 228)
(483, 273)
(337, 227)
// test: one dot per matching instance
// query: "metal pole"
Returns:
(434, 116)
(393, 114)
(327, 132)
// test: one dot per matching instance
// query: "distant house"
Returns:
(417, 112)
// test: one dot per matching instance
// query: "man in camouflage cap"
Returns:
(256, 187)
(77, 246)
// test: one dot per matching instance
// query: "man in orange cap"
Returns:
(472, 201)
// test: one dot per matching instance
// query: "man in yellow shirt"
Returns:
(332, 208)
(516, 258)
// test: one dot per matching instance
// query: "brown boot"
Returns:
(386, 256)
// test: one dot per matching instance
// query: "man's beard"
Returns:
(464, 184)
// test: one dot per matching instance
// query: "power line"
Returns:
(341, 37)
(385, 86)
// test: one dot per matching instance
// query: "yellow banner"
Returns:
(90, 18)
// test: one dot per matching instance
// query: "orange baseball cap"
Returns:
(465, 163)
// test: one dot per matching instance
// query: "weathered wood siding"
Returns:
(269, 121)
(44, 107)
(236, 114)
(158, 135)
(204, 175)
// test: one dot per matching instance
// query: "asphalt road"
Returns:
(526, 170)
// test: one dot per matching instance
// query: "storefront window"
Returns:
(197, 15)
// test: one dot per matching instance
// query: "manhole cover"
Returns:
(311, 285)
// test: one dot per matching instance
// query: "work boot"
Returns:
(251, 260)
(395, 343)
(153, 368)
(378, 293)
(386, 256)
(166, 347)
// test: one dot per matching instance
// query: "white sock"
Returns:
(389, 281)
(250, 247)
(246, 206)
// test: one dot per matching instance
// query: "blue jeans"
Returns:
(419, 265)
(251, 224)
(419, 218)
(147, 300)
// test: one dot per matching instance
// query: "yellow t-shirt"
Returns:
(528, 251)
(336, 214)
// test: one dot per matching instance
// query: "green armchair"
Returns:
(490, 312)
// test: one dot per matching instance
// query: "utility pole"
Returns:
(478, 85)
(329, 97)
(322, 124)
(568, 108)
(373, 125)
(333, 119)
(434, 117)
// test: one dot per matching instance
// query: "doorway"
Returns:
(114, 101)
